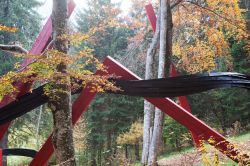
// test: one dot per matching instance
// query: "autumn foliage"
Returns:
(133, 136)
(7, 29)
(202, 33)
(43, 69)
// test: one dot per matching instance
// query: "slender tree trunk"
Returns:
(6, 16)
(163, 69)
(148, 107)
(137, 151)
(109, 147)
(126, 151)
(93, 157)
(60, 97)
(99, 158)
(38, 126)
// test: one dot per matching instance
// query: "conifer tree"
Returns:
(23, 16)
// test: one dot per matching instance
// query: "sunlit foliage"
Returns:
(214, 159)
(7, 29)
(44, 69)
(202, 31)
(133, 136)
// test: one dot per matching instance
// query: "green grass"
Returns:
(240, 138)
(15, 160)
(18, 160)
(169, 155)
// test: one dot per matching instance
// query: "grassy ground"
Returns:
(243, 137)
(192, 157)
(168, 159)
(18, 160)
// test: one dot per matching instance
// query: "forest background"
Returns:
(110, 132)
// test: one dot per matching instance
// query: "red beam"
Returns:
(1, 157)
(166, 105)
(37, 48)
(182, 99)
(79, 106)
(178, 113)
(175, 111)
(44, 36)
(151, 16)
(7, 99)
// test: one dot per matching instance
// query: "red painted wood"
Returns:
(151, 16)
(178, 113)
(44, 36)
(182, 99)
(79, 106)
(40, 44)
(7, 99)
(184, 104)
(196, 128)
(166, 105)
(1, 157)
(4, 128)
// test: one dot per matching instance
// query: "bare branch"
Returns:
(13, 49)
(175, 4)
(49, 46)
(234, 23)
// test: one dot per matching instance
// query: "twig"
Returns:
(49, 46)
(175, 4)
(13, 49)
(215, 13)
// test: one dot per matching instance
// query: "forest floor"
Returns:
(192, 157)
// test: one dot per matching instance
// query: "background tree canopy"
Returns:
(110, 132)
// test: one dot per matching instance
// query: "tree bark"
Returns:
(38, 126)
(13, 49)
(165, 54)
(109, 147)
(148, 107)
(137, 151)
(93, 157)
(60, 97)
(126, 151)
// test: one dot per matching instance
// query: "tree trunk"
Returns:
(38, 126)
(60, 97)
(6, 16)
(93, 157)
(148, 107)
(109, 146)
(163, 69)
(137, 151)
(126, 151)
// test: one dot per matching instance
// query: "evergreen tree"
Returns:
(21, 14)
(222, 108)
(109, 115)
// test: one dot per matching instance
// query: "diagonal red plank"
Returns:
(1, 157)
(166, 105)
(79, 106)
(38, 47)
(86, 96)
(182, 99)
(180, 114)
